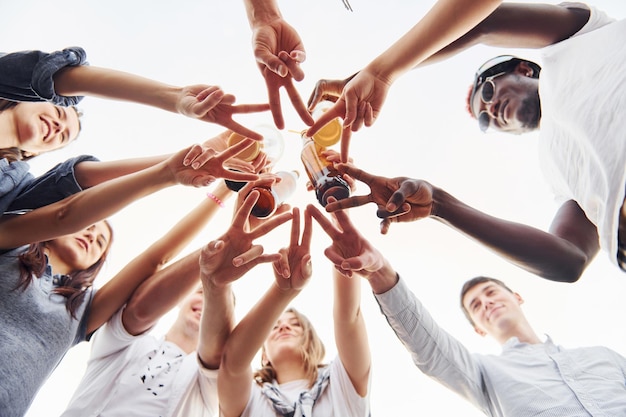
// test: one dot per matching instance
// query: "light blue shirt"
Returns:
(524, 380)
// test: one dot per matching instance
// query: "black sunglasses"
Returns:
(486, 96)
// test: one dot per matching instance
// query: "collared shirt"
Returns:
(543, 379)
(27, 75)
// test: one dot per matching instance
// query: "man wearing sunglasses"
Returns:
(575, 104)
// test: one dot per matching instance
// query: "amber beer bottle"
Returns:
(271, 198)
(325, 179)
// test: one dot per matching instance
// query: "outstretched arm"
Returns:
(450, 27)
(87, 207)
(203, 102)
(148, 290)
(222, 262)
(291, 273)
(562, 254)
(350, 330)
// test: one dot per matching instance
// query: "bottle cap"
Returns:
(329, 134)
(250, 152)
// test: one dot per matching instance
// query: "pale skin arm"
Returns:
(149, 290)
(90, 173)
(87, 207)
(350, 331)
(562, 254)
(279, 52)
(291, 273)
(222, 262)
(203, 102)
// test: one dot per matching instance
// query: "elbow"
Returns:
(569, 270)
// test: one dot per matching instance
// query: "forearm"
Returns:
(444, 23)
(350, 331)
(83, 209)
(117, 85)
(91, 173)
(260, 12)
(541, 253)
(218, 320)
(148, 296)
(435, 352)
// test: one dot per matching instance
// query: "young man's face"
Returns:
(493, 309)
(508, 103)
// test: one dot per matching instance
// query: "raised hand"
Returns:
(327, 90)
(359, 104)
(293, 270)
(399, 199)
(229, 257)
(350, 252)
(211, 104)
(279, 52)
(199, 166)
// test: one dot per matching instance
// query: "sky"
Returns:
(423, 132)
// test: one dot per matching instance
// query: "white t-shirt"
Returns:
(142, 376)
(339, 399)
(582, 143)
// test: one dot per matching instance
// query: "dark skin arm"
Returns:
(562, 254)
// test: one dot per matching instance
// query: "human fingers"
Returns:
(239, 165)
(281, 266)
(360, 116)
(356, 173)
(270, 224)
(403, 209)
(307, 234)
(333, 112)
(293, 65)
(242, 130)
(346, 134)
(353, 201)
(273, 94)
(295, 228)
(254, 252)
(370, 117)
(250, 108)
(329, 90)
(325, 223)
(298, 104)
(193, 153)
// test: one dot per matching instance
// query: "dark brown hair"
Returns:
(73, 286)
(474, 282)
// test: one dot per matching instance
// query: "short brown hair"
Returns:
(474, 282)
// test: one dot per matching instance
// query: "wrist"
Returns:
(261, 13)
(383, 280)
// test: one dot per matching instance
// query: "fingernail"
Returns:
(237, 261)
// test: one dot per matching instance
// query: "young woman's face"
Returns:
(78, 251)
(43, 127)
(286, 335)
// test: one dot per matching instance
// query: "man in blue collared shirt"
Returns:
(530, 377)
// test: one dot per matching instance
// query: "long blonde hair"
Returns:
(312, 350)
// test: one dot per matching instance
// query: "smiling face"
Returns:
(190, 312)
(509, 103)
(43, 127)
(493, 309)
(78, 251)
(286, 336)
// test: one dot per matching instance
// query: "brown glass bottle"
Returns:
(325, 179)
(270, 198)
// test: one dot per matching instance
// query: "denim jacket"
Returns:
(27, 75)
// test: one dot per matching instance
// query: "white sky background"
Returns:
(423, 132)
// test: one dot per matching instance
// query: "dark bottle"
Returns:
(271, 198)
(325, 179)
